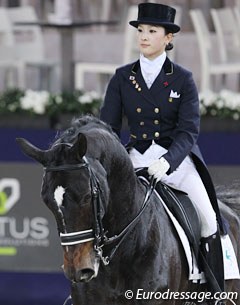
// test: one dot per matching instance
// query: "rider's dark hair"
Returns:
(169, 46)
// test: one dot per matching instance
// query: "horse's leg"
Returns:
(234, 234)
(234, 285)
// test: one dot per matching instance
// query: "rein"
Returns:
(122, 235)
(97, 234)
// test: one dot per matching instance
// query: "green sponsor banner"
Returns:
(8, 251)
(28, 234)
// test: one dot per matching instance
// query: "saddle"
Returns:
(208, 263)
(181, 207)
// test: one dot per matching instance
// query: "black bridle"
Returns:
(97, 234)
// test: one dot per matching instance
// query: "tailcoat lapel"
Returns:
(163, 80)
(137, 82)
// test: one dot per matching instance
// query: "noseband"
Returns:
(97, 234)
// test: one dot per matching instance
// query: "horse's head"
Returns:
(75, 189)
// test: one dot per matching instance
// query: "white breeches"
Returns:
(184, 178)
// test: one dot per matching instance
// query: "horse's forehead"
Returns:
(58, 194)
(59, 185)
(58, 153)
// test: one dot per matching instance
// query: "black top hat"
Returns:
(156, 14)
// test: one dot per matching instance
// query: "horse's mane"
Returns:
(103, 143)
(84, 124)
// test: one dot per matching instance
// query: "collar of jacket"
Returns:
(167, 67)
(163, 81)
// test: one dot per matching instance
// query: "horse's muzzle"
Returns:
(85, 275)
(81, 263)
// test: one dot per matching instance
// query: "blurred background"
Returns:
(56, 58)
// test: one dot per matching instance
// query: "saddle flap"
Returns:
(183, 209)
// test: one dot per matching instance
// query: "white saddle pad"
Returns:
(231, 270)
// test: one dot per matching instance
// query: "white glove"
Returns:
(158, 168)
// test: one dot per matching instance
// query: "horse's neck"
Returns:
(126, 192)
(152, 225)
(126, 198)
(123, 187)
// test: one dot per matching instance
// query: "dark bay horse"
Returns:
(90, 186)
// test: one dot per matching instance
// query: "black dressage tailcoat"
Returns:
(168, 113)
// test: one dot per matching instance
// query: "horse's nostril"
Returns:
(85, 275)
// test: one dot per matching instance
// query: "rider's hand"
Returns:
(158, 168)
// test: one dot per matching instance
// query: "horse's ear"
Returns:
(31, 151)
(79, 147)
